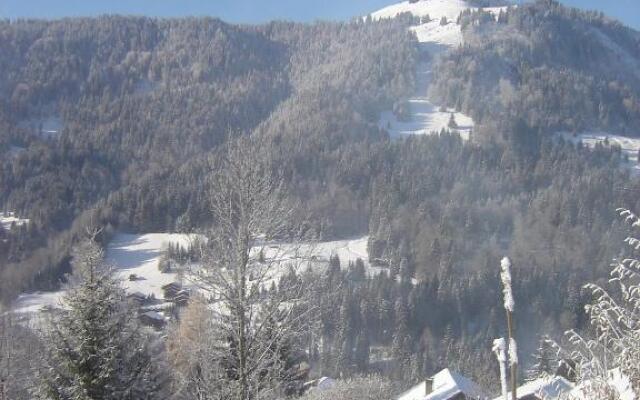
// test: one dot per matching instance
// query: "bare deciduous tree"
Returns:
(258, 323)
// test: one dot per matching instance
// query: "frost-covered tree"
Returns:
(608, 363)
(546, 360)
(258, 332)
(95, 349)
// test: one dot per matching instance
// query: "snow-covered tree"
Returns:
(452, 122)
(546, 360)
(608, 363)
(95, 349)
(257, 333)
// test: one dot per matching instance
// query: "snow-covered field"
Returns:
(9, 218)
(630, 146)
(426, 117)
(140, 255)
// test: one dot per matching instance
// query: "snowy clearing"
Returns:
(630, 146)
(7, 219)
(140, 254)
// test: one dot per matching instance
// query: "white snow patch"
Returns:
(436, 37)
(7, 219)
(435, 9)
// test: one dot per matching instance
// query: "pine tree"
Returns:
(400, 347)
(95, 349)
(452, 122)
(546, 360)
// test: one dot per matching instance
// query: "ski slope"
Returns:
(425, 116)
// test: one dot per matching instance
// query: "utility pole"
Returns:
(505, 277)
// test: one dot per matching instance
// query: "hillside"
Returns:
(412, 149)
(544, 67)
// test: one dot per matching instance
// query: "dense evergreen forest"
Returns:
(145, 106)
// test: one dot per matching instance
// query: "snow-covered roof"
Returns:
(544, 388)
(154, 315)
(445, 385)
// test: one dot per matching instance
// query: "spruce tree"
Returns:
(546, 360)
(95, 350)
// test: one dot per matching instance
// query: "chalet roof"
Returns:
(544, 388)
(446, 384)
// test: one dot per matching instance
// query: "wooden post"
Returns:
(512, 367)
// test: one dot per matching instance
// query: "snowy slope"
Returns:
(435, 9)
